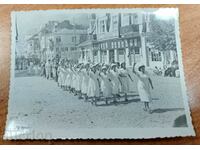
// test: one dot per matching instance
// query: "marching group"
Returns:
(99, 82)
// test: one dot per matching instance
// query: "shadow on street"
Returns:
(118, 102)
(163, 110)
(180, 121)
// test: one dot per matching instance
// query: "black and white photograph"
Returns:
(97, 74)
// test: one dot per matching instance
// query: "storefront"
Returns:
(121, 50)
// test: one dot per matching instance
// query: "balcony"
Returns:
(92, 37)
(129, 29)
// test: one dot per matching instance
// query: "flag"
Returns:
(16, 30)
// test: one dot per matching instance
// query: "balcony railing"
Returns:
(133, 28)
(92, 37)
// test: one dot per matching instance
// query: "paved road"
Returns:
(39, 103)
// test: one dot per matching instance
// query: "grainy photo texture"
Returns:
(97, 74)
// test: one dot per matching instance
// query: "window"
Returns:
(126, 43)
(74, 39)
(125, 19)
(57, 49)
(72, 48)
(58, 39)
(135, 18)
(156, 56)
(102, 26)
(66, 48)
(112, 45)
(115, 45)
(137, 50)
(131, 42)
(115, 22)
(121, 51)
(119, 44)
(106, 45)
(62, 49)
(102, 45)
(138, 42)
(122, 44)
(135, 42)
(95, 53)
(130, 19)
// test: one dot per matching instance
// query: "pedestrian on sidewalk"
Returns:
(144, 84)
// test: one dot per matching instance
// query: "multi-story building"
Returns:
(33, 47)
(116, 37)
(103, 30)
(60, 40)
(122, 38)
(89, 48)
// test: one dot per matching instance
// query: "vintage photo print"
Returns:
(97, 74)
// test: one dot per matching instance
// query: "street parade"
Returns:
(99, 82)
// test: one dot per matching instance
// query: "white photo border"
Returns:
(109, 133)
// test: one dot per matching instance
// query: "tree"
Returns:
(162, 34)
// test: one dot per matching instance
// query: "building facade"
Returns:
(122, 38)
(117, 37)
(59, 40)
(33, 48)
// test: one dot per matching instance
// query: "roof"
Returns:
(33, 37)
(65, 30)
(87, 43)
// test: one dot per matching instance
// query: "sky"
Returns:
(30, 22)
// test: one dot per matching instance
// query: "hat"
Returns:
(113, 64)
(138, 66)
(94, 65)
(104, 67)
(86, 64)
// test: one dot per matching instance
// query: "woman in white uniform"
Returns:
(124, 76)
(70, 78)
(114, 77)
(85, 82)
(73, 81)
(76, 81)
(66, 81)
(93, 86)
(54, 70)
(48, 69)
(144, 84)
(63, 76)
(80, 79)
(60, 75)
(106, 85)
